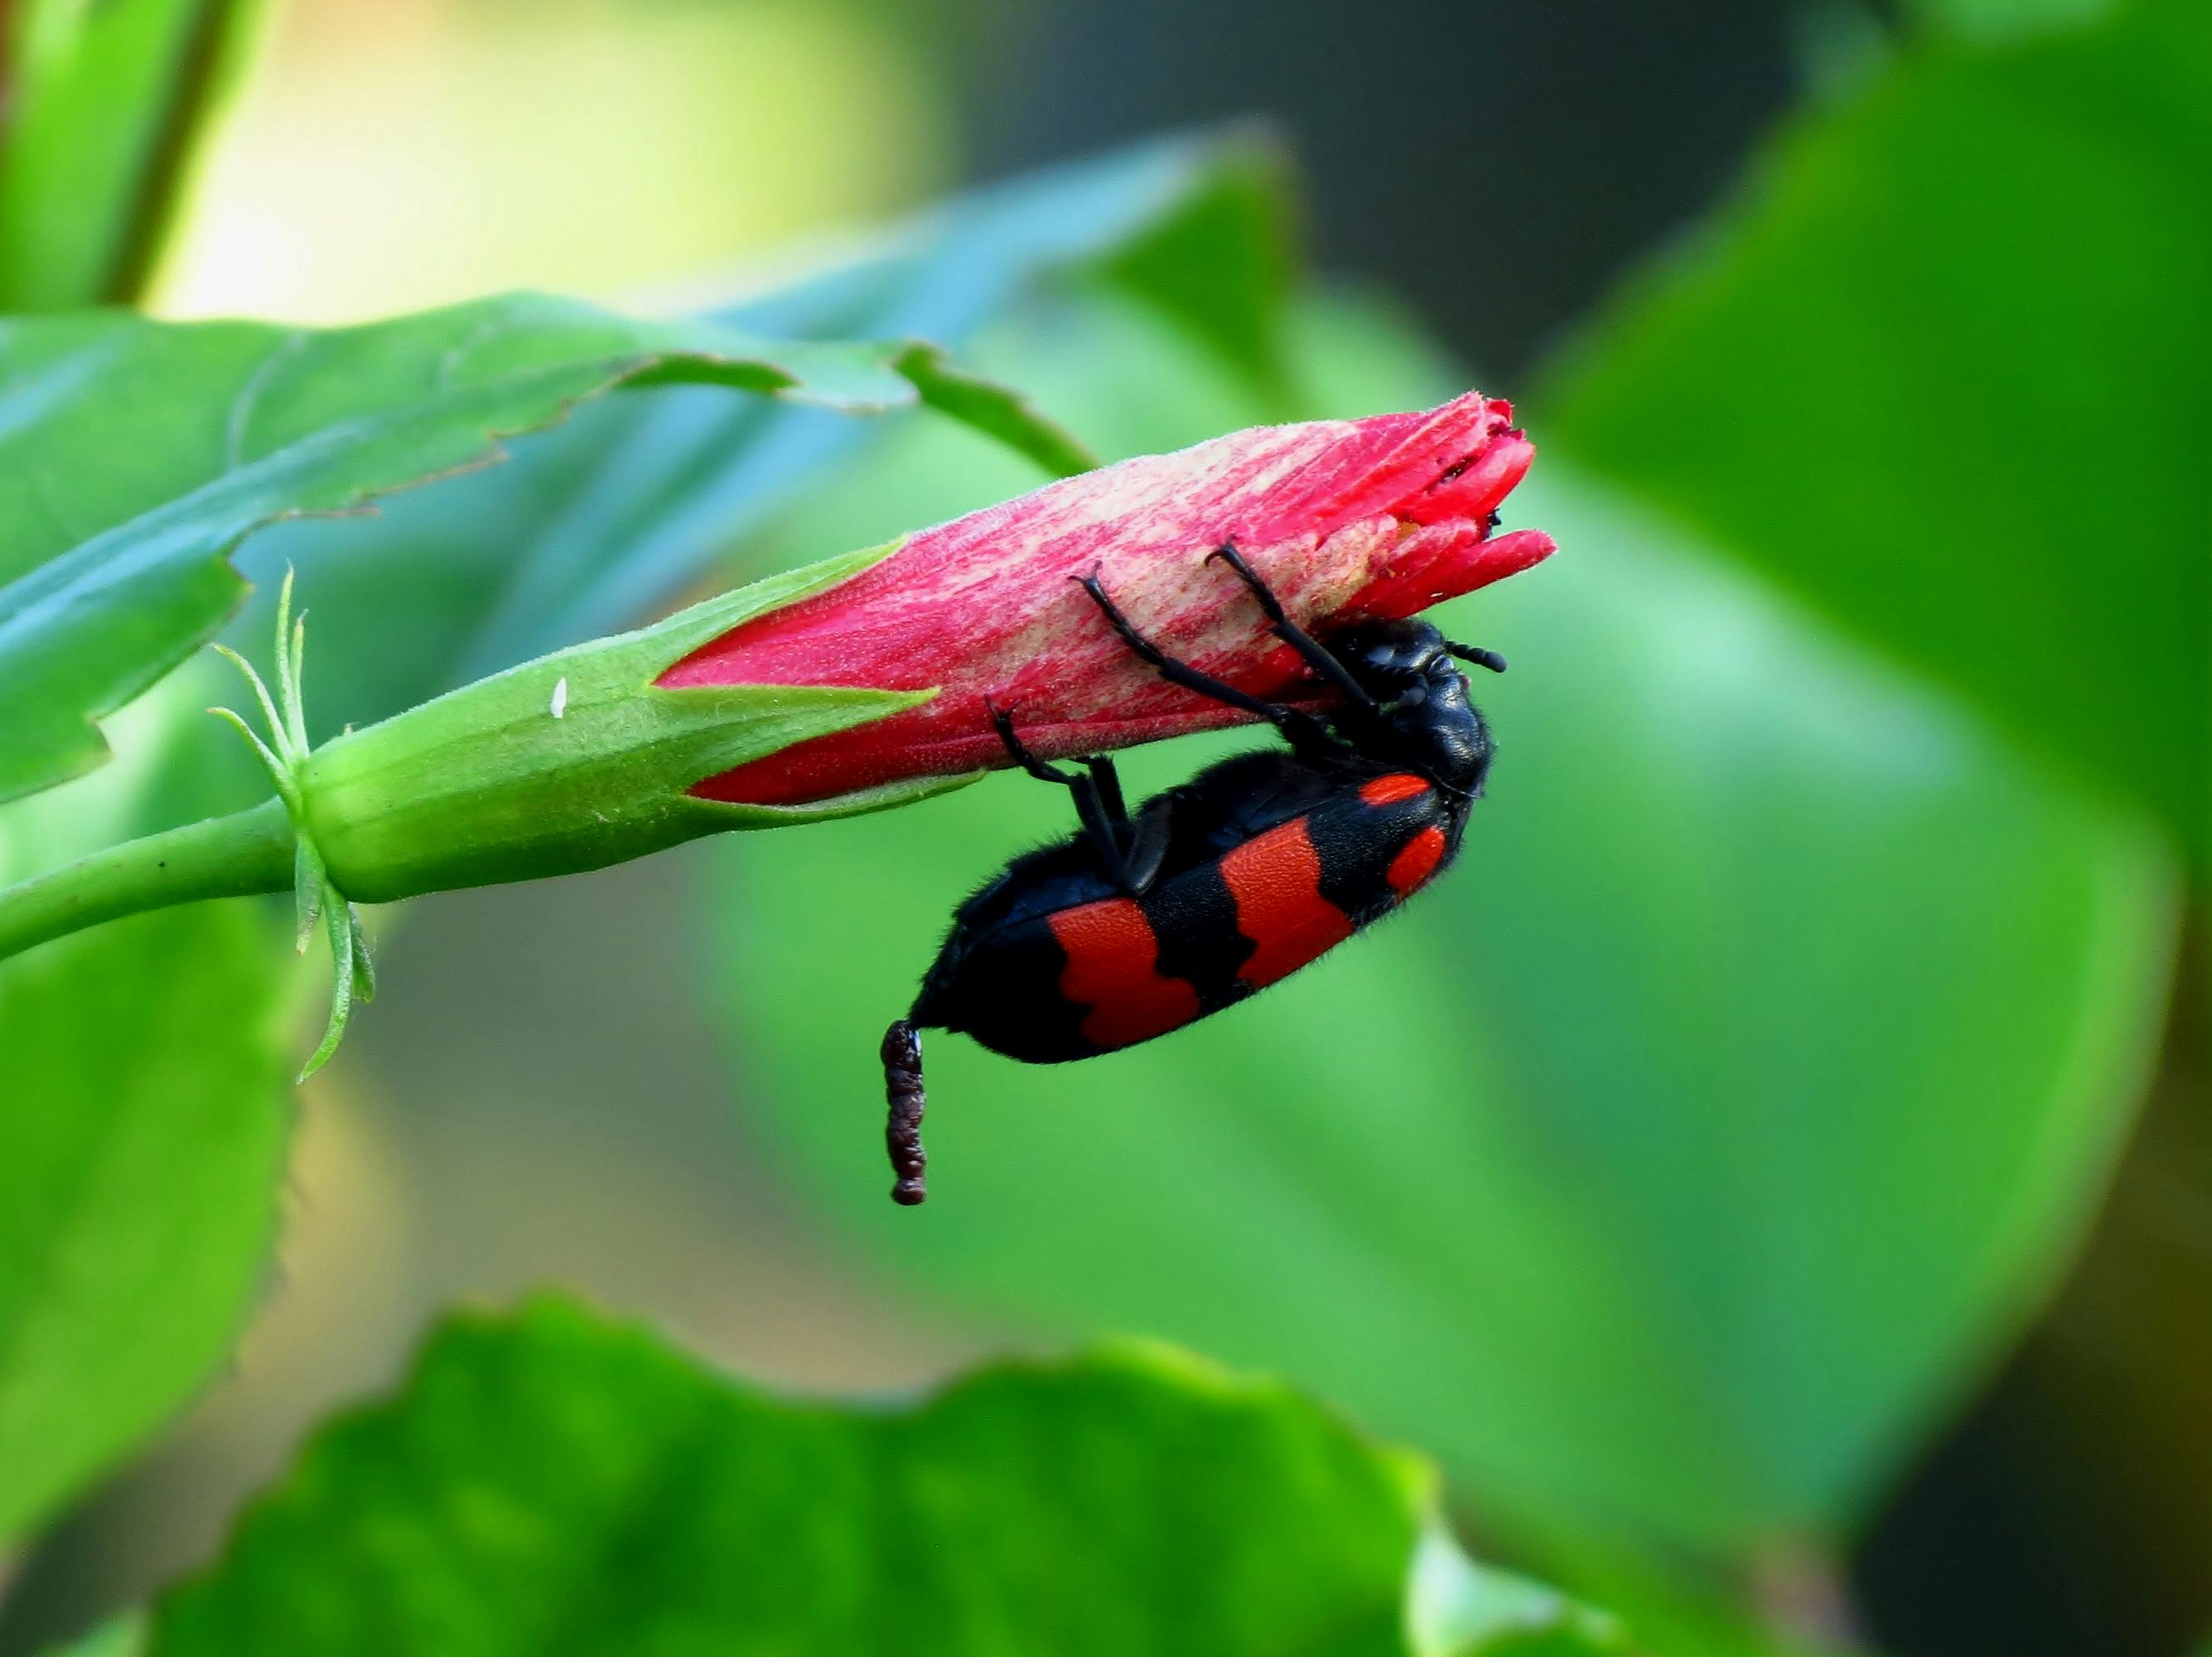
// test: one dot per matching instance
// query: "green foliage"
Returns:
(991, 407)
(103, 104)
(1221, 266)
(1668, 1166)
(1667, 1170)
(549, 1479)
(1992, 20)
(596, 525)
(590, 524)
(136, 453)
(140, 1150)
(124, 1637)
(1942, 373)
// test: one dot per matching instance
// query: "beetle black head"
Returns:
(1423, 716)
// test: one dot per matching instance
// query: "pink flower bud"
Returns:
(1348, 521)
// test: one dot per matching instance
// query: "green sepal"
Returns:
(859, 802)
(339, 926)
(307, 895)
(489, 783)
(364, 966)
(316, 900)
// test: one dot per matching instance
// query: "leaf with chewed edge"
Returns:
(135, 454)
(607, 520)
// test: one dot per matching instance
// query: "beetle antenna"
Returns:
(902, 1092)
(1476, 654)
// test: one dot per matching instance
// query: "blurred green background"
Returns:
(1772, 1174)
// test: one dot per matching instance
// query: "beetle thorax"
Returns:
(1427, 718)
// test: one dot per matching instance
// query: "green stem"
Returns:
(247, 852)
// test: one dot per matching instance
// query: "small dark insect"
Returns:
(1142, 923)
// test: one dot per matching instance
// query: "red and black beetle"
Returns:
(1141, 923)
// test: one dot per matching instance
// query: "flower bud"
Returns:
(1348, 521)
(863, 682)
(575, 761)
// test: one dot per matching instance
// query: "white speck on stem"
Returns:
(560, 697)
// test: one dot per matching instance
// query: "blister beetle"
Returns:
(1141, 923)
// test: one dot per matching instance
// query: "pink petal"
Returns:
(1346, 519)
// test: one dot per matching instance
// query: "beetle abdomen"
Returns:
(1047, 984)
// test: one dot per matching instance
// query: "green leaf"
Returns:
(1943, 372)
(1223, 264)
(1198, 226)
(134, 455)
(1989, 21)
(1670, 1166)
(140, 1148)
(547, 1479)
(607, 519)
(126, 1636)
(590, 524)
(991, 407)
(103, 105)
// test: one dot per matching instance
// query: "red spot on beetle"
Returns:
(1275, 879)
(1416, 861)
(1113, 969)
(1388, 790)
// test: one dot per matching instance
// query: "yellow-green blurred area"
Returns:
(1770, 1176)
(591, 146)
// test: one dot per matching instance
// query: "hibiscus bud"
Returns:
(1348, 521)
(862, 682)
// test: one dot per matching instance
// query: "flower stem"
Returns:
(247, 852)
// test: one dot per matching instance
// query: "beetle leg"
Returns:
(1311, 650)
(1002, 721)
(1143, 840)
(1306, 732)
(1148, 848)
(1103, 825)
(1107, 781)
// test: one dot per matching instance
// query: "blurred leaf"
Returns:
(1943, 372)
(126, 1636)
(134, 455)
(591, 523)
(149, 1054)
(140, 1148)
(1198, 227)
(548, 1478)
(1669, 1166)
(100, 108)
(1222, 264)
(600, 523)
(1991, 21)
(993, 409)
